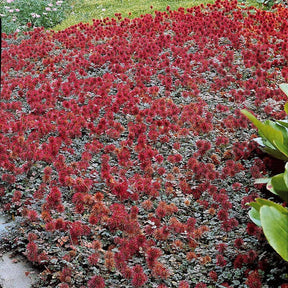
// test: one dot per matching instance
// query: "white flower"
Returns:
(48, 9)
(45, 13)
(50, 4)
(11, 10)
(54, 9)
(17, 10)
(9, 1)
(103, 9)
(59, 2)
(34, 15)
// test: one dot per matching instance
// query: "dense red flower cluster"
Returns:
(122, 136)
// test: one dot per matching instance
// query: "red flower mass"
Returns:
(127, 133)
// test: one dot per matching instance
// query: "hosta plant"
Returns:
(273, 135)
(273, 218)
(277, 184)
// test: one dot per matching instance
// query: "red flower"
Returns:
(8, 178)
(32, 215)
(159, 271)
(252, 229)
(238, 243)
(183, 284)
(239, 261)
(139, 278)
(32, 251)
(221, 247)
(96, 282)
(65, 275)
(93, 259)
(221, 260)
(254, 280)
(222, 215)
(152, 254)
(78, 229)
(213, 275)
(251, 256)
(201, 285)
(54, 199)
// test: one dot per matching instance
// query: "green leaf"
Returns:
(282, 148)
(286, 107)
(255, 216)
(264, 202)
(279, 127)
(275, 153)
(279, 186)
(255, 205)
(283, 122)
(284, 88)
(270, 133)
(268, 148)
(262, 180)
(285, 176)
(270, 187)
(259, 140)
(275, 228)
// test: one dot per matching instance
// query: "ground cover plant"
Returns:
(124, 152)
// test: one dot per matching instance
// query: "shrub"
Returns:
(18, 16)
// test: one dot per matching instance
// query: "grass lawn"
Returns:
(86, 10)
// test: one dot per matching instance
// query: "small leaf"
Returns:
(275, 228)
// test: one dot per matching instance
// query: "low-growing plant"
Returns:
(273, 135)
(16, 14)
(108, 149)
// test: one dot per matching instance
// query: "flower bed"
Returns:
(125, 153)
